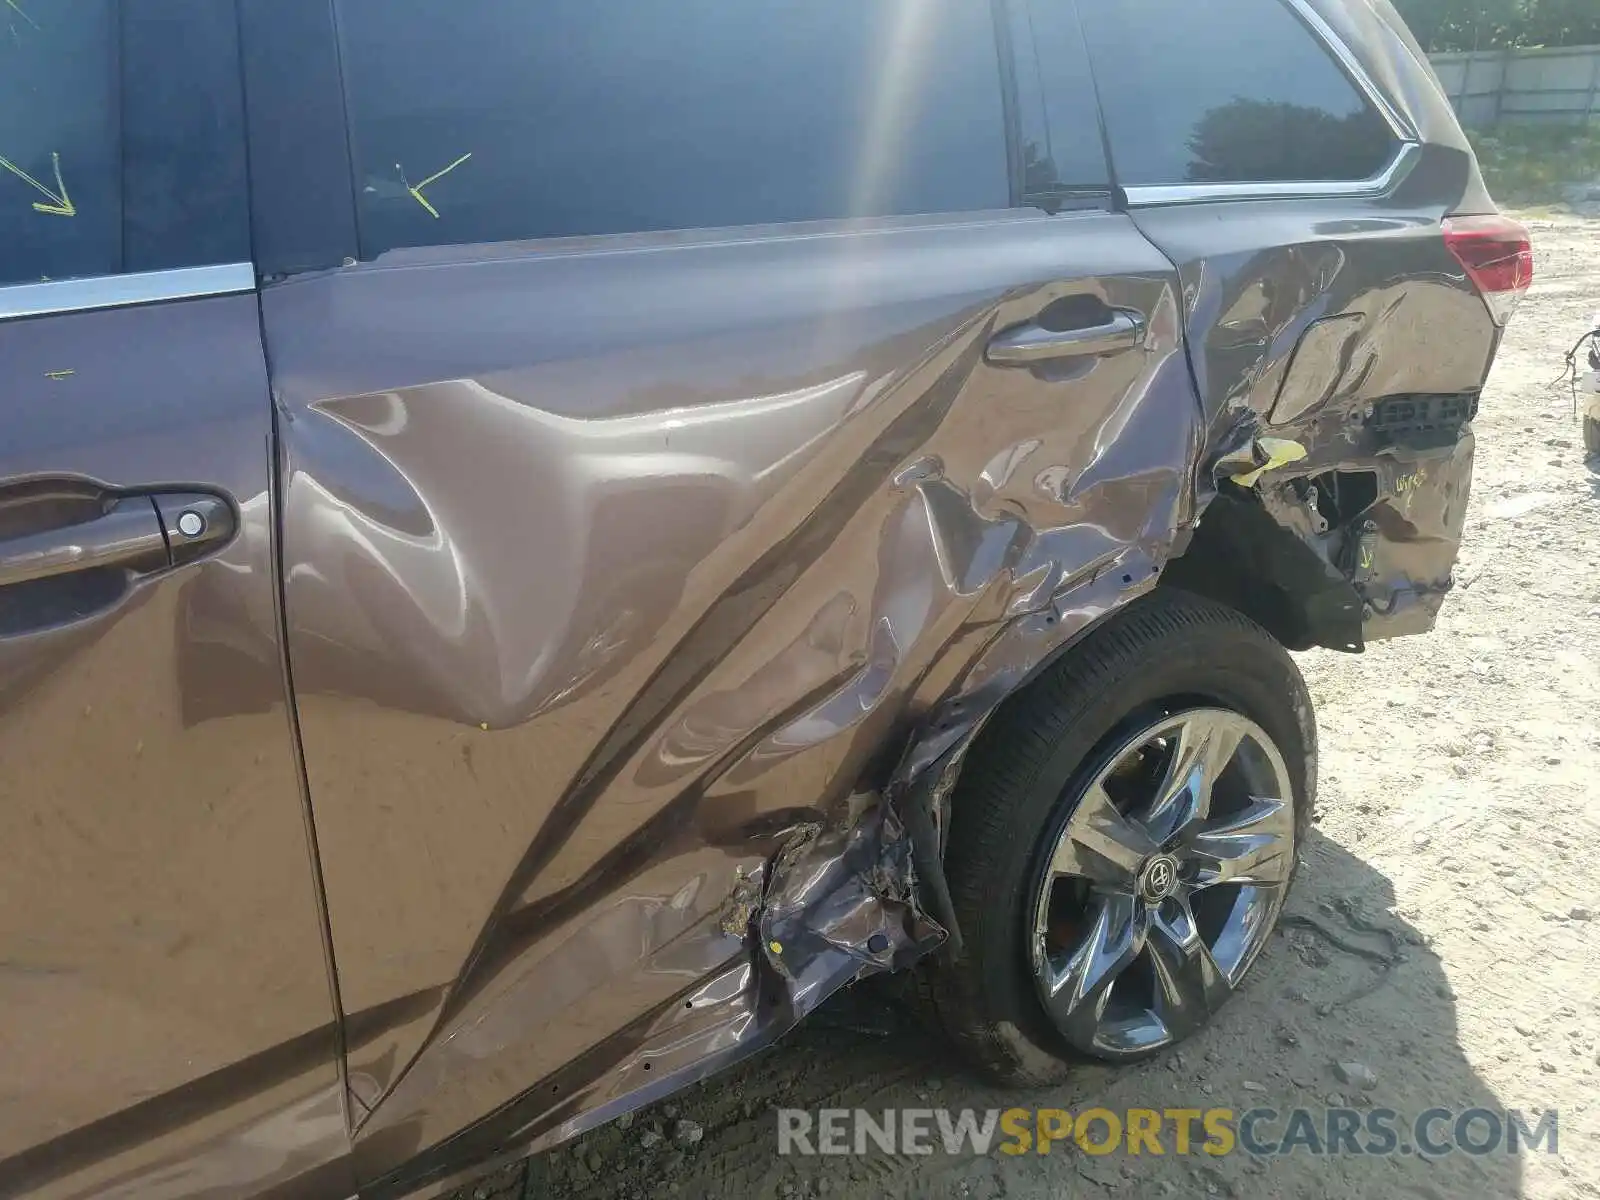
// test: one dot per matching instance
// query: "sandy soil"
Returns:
(1457, 835)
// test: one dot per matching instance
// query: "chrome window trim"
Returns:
(1407, 151)
(120, 291)
(1352, 66)
(1292, 189)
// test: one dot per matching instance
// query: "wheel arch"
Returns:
(1239, 556)
(967, 780)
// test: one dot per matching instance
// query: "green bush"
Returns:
(1534, 164)
(1486, 24)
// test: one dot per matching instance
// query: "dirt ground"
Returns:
(1459, 811)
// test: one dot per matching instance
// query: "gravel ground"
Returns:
(1456, 836)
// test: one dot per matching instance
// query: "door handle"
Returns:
(197, 523)
(127, 535)
(142, 534)
(1033, 343)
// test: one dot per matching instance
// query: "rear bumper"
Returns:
(1379, 494)
(1406, 545)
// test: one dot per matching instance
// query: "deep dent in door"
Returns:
(767, 570)
(1007, 565)
(945, 528)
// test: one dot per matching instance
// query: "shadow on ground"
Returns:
(1345, 982)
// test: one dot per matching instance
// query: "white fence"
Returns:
(1490, 86)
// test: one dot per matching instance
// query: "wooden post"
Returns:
(1594, 83)
(1500, 86)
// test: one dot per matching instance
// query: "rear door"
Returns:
(165, 1024)
(596, 463)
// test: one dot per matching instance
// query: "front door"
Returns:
(165, 1022)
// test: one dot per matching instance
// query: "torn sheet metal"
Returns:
(842, 896)
(1339, 360)
(1379, 491)
(835, 905)
(775, 562)
(751, 613)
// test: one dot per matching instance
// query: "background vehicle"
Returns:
(524, 566)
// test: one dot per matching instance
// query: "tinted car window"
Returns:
(1228, 91)
(60, 183)
(1061, 148)
(121, 138)
(489, 120)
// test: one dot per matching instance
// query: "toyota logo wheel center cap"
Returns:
(1159, 879)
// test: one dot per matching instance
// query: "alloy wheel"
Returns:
(1164, 884)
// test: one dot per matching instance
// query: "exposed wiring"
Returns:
(1569, 373)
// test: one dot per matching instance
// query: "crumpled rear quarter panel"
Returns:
(1347, 330)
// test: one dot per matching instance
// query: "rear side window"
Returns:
(494, 120)
(121, 138)
(1227, 91)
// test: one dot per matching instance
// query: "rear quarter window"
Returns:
(488, 120)
(1227, 91)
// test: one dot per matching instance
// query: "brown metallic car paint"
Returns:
(614, 569)
(1302, 317)
(640, 596)
(167, 1023)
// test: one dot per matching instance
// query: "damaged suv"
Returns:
(539, 541)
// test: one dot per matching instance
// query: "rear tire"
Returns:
(1591, 435)
(1167, 659)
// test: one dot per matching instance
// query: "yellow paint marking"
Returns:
(416, 188)
(60, 202)
(1406, 488)
(1280, 452)
(17, 8)
(59, 374)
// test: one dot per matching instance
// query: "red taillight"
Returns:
(1498, 257)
